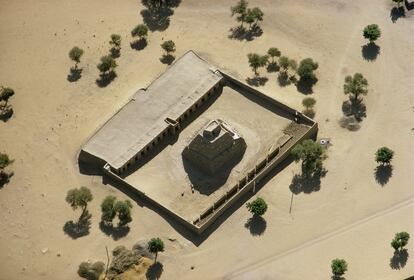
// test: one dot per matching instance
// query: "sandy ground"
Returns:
(352, 216)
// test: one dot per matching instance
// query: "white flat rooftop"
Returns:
(143, 117)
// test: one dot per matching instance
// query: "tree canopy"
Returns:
(75, 54)
(400, 240)
(308, 102)
(372, 32)
(5, 161)
(240, 9)
(79, 197)
(384, 155)
(156, 245)
(339, 267)
(256, 61)
(123, 209)
(5, 94)
(140, 31)
(115, 40)
(311, 154)
(107, 208)
(110, 207)
(356, 85)
(274, 52)
(257, 206)
(168, 46)
(107, 64)
(306, 68)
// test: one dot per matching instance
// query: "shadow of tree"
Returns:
(79, 228)
(355, 108)
(309, 113)
(256, 225)
(74, 75)
(397, 13)
(154, 271)
(383, 173)
(257, 81)
(307, 184)
(241, 33)
(5, 178)
(350, 123)
(370, 51)
(115, 53)
(157, 17)
(272, 67)
(283, 79)
(167, 59)
(106, 79)
(399, 259)
(6, 113)
(305, 86)
(139, 44)
(114, 232)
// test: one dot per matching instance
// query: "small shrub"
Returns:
(400, 240)
(168, 46)
(75, 54)
(257, 206)
(384, 155)
(372, 32)
(339, 267)
(140, 31)
(306, 68)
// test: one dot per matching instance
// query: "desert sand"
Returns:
(350, 216)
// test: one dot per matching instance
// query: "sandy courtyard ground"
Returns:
(165, 178)
(350, 216)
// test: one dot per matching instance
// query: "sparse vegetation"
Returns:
(91, 271)
(256, 61)
(75, 54)
(356, 86)
(400, 240)
(372, 32)
(79, 198)
(140, 31)
(384, 155)
(257, 206)
(155, 245)
(311, 154)
(339, 267)
(168, 47)
(306, 69)
(240, 10)
(274, 52)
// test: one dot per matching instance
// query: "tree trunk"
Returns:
(156, 254)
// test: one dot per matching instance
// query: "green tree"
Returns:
(107, 65)
(306, 68)
(400, 240)
(308, 102)
(257, 206)
(273, 52)
(5, 161)
(372, 32)
(257, 14)
(398, 2)
(339, 267)
(123, 209)
(155, 245)
(115, 41)
(256, 61)
(311, 154)
(384, 155)
(79, 198)
(356, 85)
(240, 10)
(140, 31)
(168, 46)
(75, 54)
(108, 209)
(5, 94)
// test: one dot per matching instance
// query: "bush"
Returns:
(107, 64)
(91, 271)
(123, 260)
(257, 206)
(384, 155)
(115, 40)
(5, 161)
(75, 54)
(306, 68)
(339, 267)
(372, 32)
(168, 46)
(141, 31)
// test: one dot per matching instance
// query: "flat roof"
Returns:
(143, 118)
